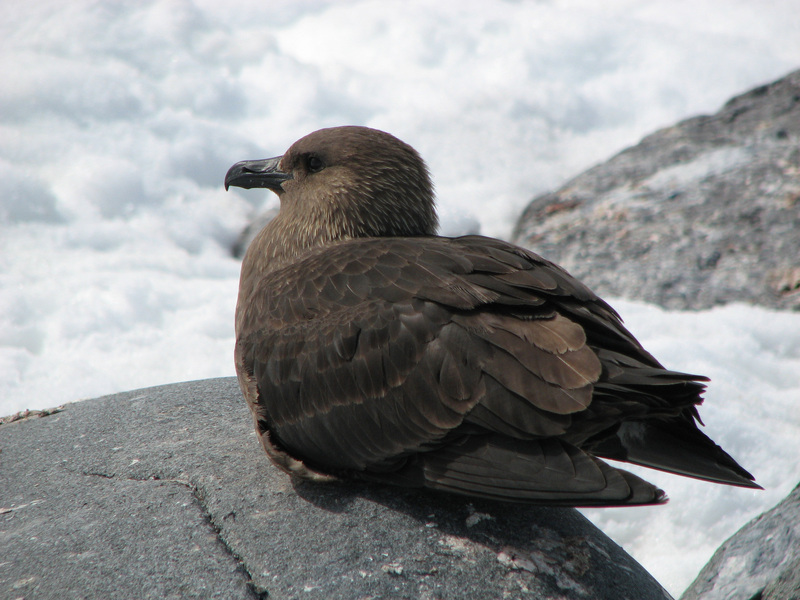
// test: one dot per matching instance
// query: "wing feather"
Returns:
(475, 362)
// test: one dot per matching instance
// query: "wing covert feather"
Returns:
(373, 352)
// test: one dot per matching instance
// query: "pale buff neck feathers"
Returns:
(344, 183)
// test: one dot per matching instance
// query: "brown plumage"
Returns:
(367, 347)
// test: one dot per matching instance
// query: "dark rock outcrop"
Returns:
(165, 493)
(699, 214)
(251, 231)
(761, 561)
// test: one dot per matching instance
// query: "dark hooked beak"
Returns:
(257, 174)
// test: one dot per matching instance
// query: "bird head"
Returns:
(343, 183)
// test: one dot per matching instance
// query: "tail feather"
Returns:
(546, 471)
(676, 446)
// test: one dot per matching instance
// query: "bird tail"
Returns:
(547, 471)
(674, 445)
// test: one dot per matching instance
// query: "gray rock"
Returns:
(698, 214)
(248, 233)
(786, 586)
(761, 561)
(165, 493)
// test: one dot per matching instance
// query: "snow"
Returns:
(118, 121)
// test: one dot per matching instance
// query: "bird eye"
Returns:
(314, 163)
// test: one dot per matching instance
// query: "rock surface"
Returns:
(165, 493)
(761, 561)
(251, 231)
(699, 214)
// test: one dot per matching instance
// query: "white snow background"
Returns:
(118, 121)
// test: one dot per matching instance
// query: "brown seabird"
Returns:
(367, 347)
